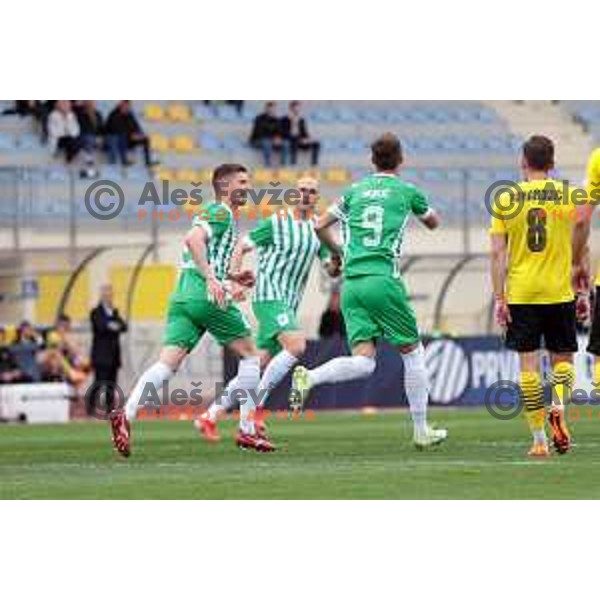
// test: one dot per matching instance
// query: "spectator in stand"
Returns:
(124, 133)
(26, 350)
(267, 135)
(63, 130)
(295, 131)
(9, 369)
(107, 328)
(91, 126)
(63, 359)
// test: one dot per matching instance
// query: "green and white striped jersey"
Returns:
(217, 220)
(286, 248)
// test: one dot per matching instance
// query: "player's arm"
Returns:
(581, 249)
(324, 230)
(197, 241)
(260, 236)
(236, 274)
(423, 211)
(498, 261)
(332, 263)
(431, 219)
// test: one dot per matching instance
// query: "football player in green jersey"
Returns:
(200, 303)
(286, 246)
(373, 214)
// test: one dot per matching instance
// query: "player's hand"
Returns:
(502, 312)
(582, 307)
(239, 292)
(581, 278)
(334, 266)
(245, 278)
(216, 292)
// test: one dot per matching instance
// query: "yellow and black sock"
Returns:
(596, 379)
(532, 395)
(562, 381)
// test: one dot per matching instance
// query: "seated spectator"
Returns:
(9, 369)
(63, 359)
(63, 130)
(123, 133)
(91, 126)
(295, 131)
(26, 349)
(267, 135)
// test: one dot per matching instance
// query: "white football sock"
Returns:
(248, 378)
(416, 384)
(275, 371)
(342, 368)
(154, 376)
(224, 402)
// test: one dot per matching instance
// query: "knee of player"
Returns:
(296, 347)
(367, 364)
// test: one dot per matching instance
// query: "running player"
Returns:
(200, 303)
(375, 305)
(286, 245)
(533, 250)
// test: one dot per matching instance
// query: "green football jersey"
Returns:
(217, 220)
(286, 248)
(373, 213)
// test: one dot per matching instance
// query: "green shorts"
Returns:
(377, 307)
(189, 319)
(273, 318)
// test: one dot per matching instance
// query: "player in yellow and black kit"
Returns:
(533, 250)
(593, 189)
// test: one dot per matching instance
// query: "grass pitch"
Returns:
(336, 456)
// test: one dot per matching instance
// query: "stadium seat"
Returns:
(337, 175)
(264, 176)
(288, 176)
(165, 174)
(159, 142)
(180, 113)
(154, 112)
(183, 143)
(187, 175)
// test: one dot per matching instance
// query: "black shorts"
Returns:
(536, 326)
(594, 343)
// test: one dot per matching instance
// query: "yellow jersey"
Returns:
(593, 186)
(539, 231)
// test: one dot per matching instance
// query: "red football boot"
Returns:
(247, 441)
(121, 432)
(208, 430)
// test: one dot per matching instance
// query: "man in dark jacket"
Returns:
(295, 130)
(91, 126)
(267, 135)
(123, 133)
(107, 327)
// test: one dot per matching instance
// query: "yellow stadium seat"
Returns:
(182, 143)
(187, 175)
(159, 142)
(205, 176)
(337, 176)
(179, 112)
(165, 174)
(286, 176)
(264, 176)
(154, 112)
